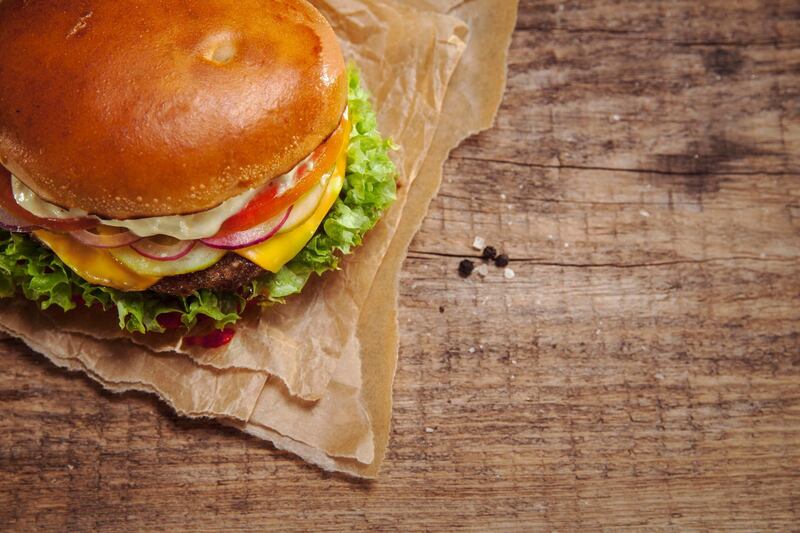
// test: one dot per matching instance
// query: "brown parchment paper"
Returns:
(347, 365)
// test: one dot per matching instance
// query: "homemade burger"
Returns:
(176, 160)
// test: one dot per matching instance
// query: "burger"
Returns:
(176, 161)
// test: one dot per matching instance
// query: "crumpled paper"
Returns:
(314, 376)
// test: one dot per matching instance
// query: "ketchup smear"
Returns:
(215, 339)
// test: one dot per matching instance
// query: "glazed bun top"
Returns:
(136, 108)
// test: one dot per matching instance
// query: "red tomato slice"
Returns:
(267, 204)
(8, 203)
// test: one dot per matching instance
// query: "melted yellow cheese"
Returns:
(273, 254)
(95, 265)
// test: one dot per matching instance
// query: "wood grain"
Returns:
(641, 372)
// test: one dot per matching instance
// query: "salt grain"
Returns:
(479, 243)
(508, 273)
(429, 430)
(483, 270)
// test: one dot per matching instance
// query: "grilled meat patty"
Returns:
(229, 274)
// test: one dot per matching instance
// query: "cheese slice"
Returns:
(272, 254)
(95, 265)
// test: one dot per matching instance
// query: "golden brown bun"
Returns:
(133, 108)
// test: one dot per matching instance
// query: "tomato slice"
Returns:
(268, 204)
(8, 203)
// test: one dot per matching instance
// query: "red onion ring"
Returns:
(111, 240)
(14, 224)
(249, 237)
(163, 252)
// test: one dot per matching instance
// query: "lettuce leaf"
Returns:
(32, 270)
(368, 190)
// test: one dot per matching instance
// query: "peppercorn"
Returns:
(501, 261)
(465, 268)
(490, 252)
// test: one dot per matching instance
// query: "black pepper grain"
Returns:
(490, 252)
(501, 261)
(441, 309)
(465, 268)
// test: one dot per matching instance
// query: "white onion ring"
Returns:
(249, 237)
(151, 249)
(111, 240)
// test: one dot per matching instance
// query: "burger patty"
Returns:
(228, 274)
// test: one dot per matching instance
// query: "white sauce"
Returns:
(184, 227)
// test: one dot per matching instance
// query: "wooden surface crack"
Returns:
(650, 37)
(419, 254)
(562, 166)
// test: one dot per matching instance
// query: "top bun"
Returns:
(136, 108)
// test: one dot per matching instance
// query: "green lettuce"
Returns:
(35, 272)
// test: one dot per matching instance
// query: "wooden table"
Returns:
(642, 370)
